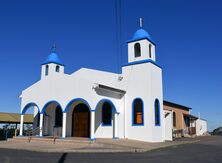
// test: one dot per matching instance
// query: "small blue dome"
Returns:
(53, 58)
(141, 34)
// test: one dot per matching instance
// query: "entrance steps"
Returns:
(54, 140)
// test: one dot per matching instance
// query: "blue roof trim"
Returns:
(27, 106)
(108, 101)
(48, 103)
(141, 62)
(45, 63)
(134, 40)
(83, 101)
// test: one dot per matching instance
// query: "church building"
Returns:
(96, 104)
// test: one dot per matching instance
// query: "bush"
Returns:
(10, 133)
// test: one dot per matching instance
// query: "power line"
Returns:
(118, 31)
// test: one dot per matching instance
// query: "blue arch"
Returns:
(157, 111)
(108, 101)
(142, 124)
(31, 104)
(50, 102)
(74, 100)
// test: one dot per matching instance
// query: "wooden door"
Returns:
(80, 124)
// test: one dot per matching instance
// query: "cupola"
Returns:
(141, 46)
(52, 65)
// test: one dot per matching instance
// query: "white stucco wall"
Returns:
(138, 81)
(102, 131)
(168, 125)
(144, 81)
(144, 44)
(201, 127)
(64, 88)
(51, 70)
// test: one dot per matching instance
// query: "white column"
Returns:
(92, 125)
(64, 126)
(41, 124)
(21, 125)
(115, 135)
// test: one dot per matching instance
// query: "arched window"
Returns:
(57, 68)
(58, 117)
(150, 50)
(106, 114)
(46, 70)
(137, 112)
(157, 112)
(137, 50)
(174, 119)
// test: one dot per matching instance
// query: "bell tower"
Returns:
(141, 47)
(52, 66)
(143, 78)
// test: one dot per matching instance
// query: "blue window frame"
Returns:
(106, 114)
(157, 112)
(137, 112)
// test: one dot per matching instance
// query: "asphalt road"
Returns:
(209, 149)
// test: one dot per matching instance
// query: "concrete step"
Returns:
(22, 139)
(51, 140)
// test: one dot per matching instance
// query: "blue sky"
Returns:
(187, 33)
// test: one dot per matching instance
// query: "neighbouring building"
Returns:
(183, 123)
(201, 127)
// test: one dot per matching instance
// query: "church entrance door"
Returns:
(81, 121)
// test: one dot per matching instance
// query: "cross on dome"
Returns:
(53, 48)
(141, 22)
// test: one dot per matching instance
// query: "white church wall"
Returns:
(98, 77)
(156, 91)
(144, 44)
(51, 70)
(102, 131)
(121, 119)
(138, 87)
(62, 89)
(108, 131)
(57, 88)
(69, 123)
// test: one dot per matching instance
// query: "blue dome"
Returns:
(141, 34)
(53, 58)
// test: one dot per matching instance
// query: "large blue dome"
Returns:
(140, 34)
(53, 58)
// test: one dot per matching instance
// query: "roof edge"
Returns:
(143, 38)
(45, 63)
(168, 103)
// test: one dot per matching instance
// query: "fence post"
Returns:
(15, 132)
(6, 134)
